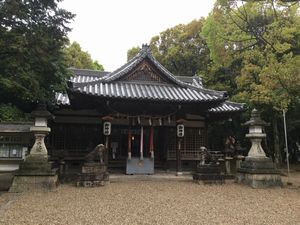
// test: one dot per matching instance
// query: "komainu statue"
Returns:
(94, 171)
(205, 156)
(96, 155)
(208, 171)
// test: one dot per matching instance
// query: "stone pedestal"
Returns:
(209, 174)
(93, 174)
(35, 172)
(258, 173)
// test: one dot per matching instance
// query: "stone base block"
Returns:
(258, 173)
(209, 174)
(93, 168)
(92, 183)
(209, 178)
(259, 180)
(93, 175)
(209, 169)
(23, 183)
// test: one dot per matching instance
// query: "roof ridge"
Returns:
(92, 70)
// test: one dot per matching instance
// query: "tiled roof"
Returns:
(84, 75)
(228, 107)
(195, 81)
(145, 53)
(62, 99)
(177, 88)
(162, 92)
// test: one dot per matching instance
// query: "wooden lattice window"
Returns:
(73, 140)
(194, 138)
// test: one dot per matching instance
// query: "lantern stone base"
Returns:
(93, 175)
(35, 174)
(209, 174)
(258, 173)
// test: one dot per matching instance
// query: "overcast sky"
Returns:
(107, 29)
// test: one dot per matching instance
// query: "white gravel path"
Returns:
(155, 202)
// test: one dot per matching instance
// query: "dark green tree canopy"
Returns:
(181, 49)
(76, 57)
(255, 46)
(132, 52)
(32, 36)
(257, 42)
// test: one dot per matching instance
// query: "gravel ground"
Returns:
(153, 202)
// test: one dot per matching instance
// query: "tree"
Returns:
(132, 52)
(32, 35)
(180, 49)
(76, 57)
(261, 38)
(97, 66)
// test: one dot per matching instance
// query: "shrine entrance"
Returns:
(138, 147)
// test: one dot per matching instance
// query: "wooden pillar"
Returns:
(106, 150)
(151, 147)
(179, 140)
(129, 144)
(142, 144)
(178, 156)
(107, 133)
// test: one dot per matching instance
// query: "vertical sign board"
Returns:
(106, 128)
(180, 130)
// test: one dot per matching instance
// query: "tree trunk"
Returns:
(277, 151)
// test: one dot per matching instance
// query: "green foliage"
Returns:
(32, 35)
(76, 57)
(181, 49)
(258, 44)
(132, 52)
(264, 37)
(8, 112)
(97, 66)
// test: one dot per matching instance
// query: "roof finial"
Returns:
(145, 47)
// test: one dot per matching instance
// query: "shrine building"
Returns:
(147, 117)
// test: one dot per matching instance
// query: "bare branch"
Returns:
(247, 39)
(274, 10)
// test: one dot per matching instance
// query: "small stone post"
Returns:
(239, 159)
(257, 170)
(227, 164)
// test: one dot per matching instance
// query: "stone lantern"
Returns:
(40, 130)
(257, 170)
(256, 125)
(36, 172)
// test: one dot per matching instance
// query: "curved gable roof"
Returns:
(116, 84)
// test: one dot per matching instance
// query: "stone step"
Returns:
(153, 177)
